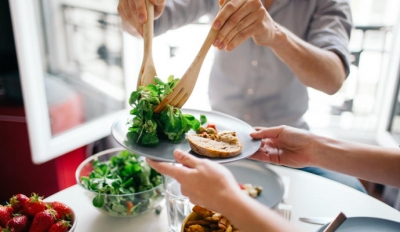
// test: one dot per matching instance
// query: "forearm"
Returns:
(317, 68)
(373, 163)
(250, 216)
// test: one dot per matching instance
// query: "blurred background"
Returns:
(89, 66)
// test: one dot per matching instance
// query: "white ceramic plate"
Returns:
(164, 150)
(256, 173)
(366, 224)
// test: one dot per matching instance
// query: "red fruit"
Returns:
(43, 220)
(33, 206)
(18, 223)
(64, 211)
(5, 214)
(18, 201)
(60, 226)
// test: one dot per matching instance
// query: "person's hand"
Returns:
(205, 182)
(285, 145)
(242, 19)
(134, 13)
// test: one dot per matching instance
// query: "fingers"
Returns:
(167, 168)
(141, 10)
(223, 19)
(158, 2)
(186, 159)
(129, 14)
(260, 156)
(237, 20)
(272, 132)
(226, 12)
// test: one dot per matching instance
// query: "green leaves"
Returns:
(146, 127)
(123, 174)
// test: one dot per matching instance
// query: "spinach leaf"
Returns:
(146, 128)
(124, 173)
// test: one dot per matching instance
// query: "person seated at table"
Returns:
(281, 145)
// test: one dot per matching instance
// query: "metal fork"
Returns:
(285, 211)
(185, 86)
(283, 208)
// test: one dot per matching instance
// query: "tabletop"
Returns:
(308, 194)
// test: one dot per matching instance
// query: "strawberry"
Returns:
(33, 206)
(5, 214)
(18, 201)
(60, 226)
(62, 209)
(19, 223)
(43, 220)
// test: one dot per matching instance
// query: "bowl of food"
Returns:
(24, 213)
(120, 183)
(66, 217)
(202, 219)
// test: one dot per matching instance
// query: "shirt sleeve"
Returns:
(178, 13)
(330, 29)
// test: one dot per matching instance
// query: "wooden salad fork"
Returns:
(185, 86)
(148, 70)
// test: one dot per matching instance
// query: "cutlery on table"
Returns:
(185, 86)
(317, 220)
(148, 70)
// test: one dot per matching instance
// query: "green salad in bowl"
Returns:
(120, 183)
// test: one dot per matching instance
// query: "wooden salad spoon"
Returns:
(185, 86)
(148, 70)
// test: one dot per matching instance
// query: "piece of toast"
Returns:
(208, 145)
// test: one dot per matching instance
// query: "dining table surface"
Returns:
(308, 195)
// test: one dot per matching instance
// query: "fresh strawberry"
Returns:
(5, 214)
(60, 226)
(19, 223)
(18, 201)
(33, 206)
(63, 210)
(43, 220)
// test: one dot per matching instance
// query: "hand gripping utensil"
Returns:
(185, 86)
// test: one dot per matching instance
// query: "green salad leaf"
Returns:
(121, 175)
(146, 128)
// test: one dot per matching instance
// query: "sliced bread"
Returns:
(211, 147)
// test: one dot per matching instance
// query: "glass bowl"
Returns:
(127, 194)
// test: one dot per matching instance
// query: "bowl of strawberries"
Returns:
(32, 214)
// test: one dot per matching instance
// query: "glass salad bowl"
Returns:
(120, 183)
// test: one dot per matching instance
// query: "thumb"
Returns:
(186, 159)
(158, 2)
(271, 132)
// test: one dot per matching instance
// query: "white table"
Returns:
(309, 195)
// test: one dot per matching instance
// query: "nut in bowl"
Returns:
(205, 220)
(120, 183)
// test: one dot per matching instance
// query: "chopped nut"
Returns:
(222, 223)
(216, 216)
(195, 228)
(202, 211)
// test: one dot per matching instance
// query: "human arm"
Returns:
(292, 147)
(223, 195)
(321, 62)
